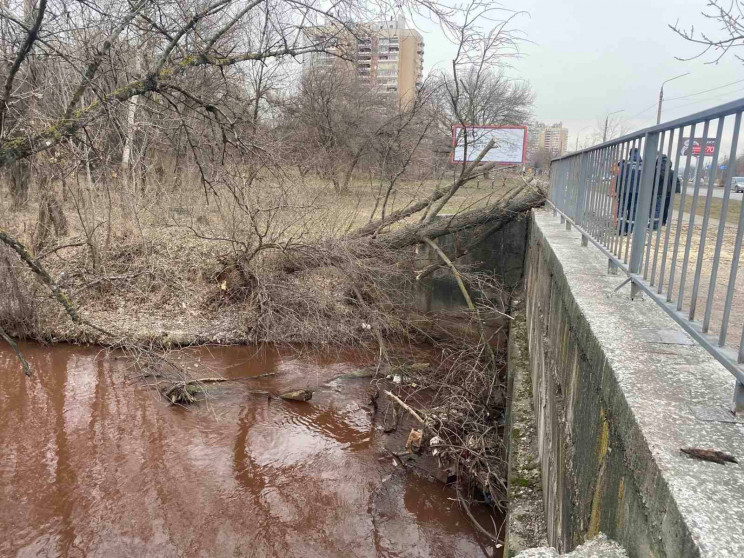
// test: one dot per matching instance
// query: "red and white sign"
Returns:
(697, 143)
(510, 144)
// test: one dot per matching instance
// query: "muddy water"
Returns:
(93, 463)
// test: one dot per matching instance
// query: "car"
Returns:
(737, 184)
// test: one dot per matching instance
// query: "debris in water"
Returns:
(184, 393)
(297, 395)
(413, 443)
(435, 441)
(361, 373)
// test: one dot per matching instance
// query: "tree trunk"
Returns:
(20, 183)
(52, 220)
(356, 246)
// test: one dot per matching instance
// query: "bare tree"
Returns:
(728, 18)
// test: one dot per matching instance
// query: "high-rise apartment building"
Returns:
(383, 53)
(552, 138)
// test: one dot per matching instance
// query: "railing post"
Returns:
(738, 404)
(581, 189)
(642, 208)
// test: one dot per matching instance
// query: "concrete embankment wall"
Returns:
(502, 254)
(618, 389)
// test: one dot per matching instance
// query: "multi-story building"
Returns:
(384, 53)
(551, 138)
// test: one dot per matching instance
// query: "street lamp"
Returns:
(661, 95)
(607, 121)
(577, 137)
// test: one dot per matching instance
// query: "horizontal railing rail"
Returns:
(662, 205)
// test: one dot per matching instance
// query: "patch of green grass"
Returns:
(716, 207)
(520, 481)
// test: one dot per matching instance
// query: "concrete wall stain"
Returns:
(603, 444)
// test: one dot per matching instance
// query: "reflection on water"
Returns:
(93, 463)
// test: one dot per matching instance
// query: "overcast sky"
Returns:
(585, 58)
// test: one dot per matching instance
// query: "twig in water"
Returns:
(413, 413)
(17, 351)
(471, 517)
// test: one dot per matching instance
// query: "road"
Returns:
(718, 193)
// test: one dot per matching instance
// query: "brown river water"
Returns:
(95, 463)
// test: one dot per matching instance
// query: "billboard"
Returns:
(697, 143)
(510, 144)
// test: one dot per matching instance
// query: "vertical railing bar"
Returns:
(573, 185)
(693, 211)
(732, 281)
(643, 205)
(585, 188)
(605, 193)
(654, 200)
(664, 208)
(680, 216)
(595, 188)
(560, 182)
(580, 188)
(612, 159)
(595, 193)
(615, 213)
(622, 201)
(706, 216)
(633, 198)
(566, 183)
(667, 236)
(581, 191)
(589, 186)
(730, 168)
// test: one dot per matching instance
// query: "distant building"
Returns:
(383, 53)
(551, 138)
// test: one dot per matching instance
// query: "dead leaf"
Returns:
(414, 440)
(709, 455)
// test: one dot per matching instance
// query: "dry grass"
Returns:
(166, 275)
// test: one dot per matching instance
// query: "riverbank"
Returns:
(172, 271)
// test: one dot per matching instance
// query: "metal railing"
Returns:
(674, 232)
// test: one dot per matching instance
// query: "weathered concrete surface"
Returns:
(525, 520)
(616, 397)
(501, 254)
(598, 547)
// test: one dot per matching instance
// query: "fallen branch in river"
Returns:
(471, 517)
(17, 351)
(403, 405)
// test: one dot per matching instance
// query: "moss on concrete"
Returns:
(525, 524)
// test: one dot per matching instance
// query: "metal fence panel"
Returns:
(660, 206)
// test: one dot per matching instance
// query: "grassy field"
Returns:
(158, 260)
(716, 207)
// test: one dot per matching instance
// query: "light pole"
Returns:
(661, 94)
(607, 121)
(577, 137)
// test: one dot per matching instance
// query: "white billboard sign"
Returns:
(510, 144)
